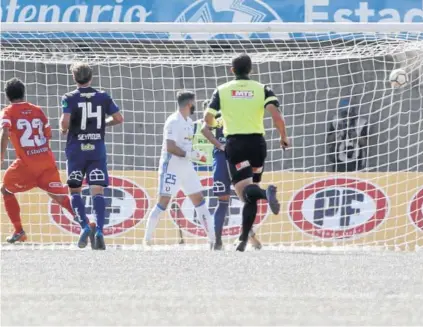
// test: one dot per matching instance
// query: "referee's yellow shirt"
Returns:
(241, 103)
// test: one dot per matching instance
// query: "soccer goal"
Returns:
(353, 177)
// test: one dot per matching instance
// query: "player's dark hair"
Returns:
(206, 104)
(242, 65)
(14, 89)
(82, 72)
(183, 97)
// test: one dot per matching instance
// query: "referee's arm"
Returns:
(271, 104)
(212, 110)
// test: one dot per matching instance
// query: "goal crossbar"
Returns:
(275, 27)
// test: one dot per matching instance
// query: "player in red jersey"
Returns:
(29, 131)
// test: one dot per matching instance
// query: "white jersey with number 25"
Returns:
(176, 172)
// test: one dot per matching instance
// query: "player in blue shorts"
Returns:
(86, 113)
(221, 181)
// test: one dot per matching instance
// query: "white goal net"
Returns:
(354, 173)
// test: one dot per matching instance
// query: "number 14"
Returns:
(87, 112)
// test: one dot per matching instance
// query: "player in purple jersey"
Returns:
(86, 113)
(221, 182)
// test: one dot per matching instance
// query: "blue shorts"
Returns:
(221, 179)
(94, 170)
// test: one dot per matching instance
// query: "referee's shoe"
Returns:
(273, 202)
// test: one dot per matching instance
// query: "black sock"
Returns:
(249, 212)
(253, 193)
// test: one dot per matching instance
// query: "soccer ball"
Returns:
(398, 78)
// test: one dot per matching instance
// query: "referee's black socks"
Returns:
(252, 193)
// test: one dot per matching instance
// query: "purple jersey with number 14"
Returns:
(88, 109)
(85, 147)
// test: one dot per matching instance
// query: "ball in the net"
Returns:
(398, 78)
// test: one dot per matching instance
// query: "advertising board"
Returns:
(318, 209)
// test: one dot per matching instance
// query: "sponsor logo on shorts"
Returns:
(242, 94)
(76, 175)
(338, 208)
(55, 185)
(219, 187)
(97, 175)
(241, 165)
(415, 210)
(126, 206)
(184, 216)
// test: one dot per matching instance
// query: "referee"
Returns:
(241, 103)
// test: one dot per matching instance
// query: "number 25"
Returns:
(170, 179)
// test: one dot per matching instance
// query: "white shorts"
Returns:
(178, 173)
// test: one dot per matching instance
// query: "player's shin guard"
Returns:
(79, 209)
(207, 220)
(152, 221)
(219, 217)
(13, 211)
(99, 206)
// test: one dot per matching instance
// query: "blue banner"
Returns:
(211, 11)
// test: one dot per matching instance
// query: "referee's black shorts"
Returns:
(245, 155)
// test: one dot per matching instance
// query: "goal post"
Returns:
(352, 178)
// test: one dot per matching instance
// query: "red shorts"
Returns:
(20, 178)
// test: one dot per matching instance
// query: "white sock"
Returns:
(152, 221)
(207, 220)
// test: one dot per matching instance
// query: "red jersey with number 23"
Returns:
(30, 133)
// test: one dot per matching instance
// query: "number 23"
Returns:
(37, 140)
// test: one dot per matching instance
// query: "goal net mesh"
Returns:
(352, 177)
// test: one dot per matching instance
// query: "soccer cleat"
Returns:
(255, 243)
(83, 236)
(274, 204)
(17, 237)
(218, 246)
(99, 243)
(92, 239)
(241, 246)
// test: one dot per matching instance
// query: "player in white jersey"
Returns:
(176, 169)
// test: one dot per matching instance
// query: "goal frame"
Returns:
(307, 32)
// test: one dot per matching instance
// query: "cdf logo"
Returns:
(126, 206)
(338, 208)
(183, 213)
(416, 209)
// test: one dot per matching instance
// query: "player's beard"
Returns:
(192, 109)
